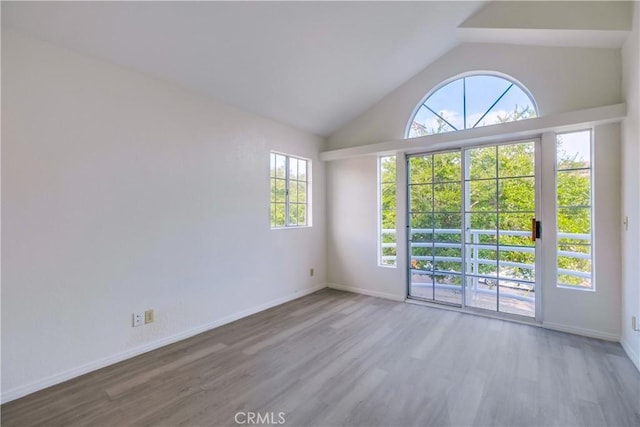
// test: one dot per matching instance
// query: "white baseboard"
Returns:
(17, 392)
(580, 331)
(366, 292)
(635, 357)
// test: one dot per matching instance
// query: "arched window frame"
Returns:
(463, 75)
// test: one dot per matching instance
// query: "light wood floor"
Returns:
(335, 358)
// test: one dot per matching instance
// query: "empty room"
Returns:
(419, 213)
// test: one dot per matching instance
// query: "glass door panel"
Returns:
(499, 208)
(435, 227)
(470, 225)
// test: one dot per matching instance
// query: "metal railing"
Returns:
(474, 259)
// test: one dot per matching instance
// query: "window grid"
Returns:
(289, 178)
(574, 210)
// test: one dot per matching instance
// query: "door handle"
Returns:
(536, 229)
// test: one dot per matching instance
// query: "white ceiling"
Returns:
(313, 65)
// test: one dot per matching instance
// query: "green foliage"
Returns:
(388, 202)
(525, 112)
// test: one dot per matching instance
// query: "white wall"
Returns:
(352, 232)
(122, 193)
(631, 190)
(561, 80)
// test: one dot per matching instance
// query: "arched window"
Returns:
(470, 102)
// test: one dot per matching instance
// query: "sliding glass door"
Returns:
(471, 231)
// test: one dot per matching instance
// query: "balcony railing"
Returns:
(475, 260)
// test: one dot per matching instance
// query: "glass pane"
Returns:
(481, 293)
(448, 103)
(516, 229)
(273, 189)
(302, 191)
(279, 209)
(280, 166)
(447, 166)
(422, 257)
(272, 164)
(574, 150)
(514, 105)
(427, 123)
(293, 168)
(302, 214)
(388, 196)
(293, 192)
(422, 235)
(482, 196)
(482, 228)
(516, 160)
(302, 170)
(574, 221)
(521, 267)
(389, 222)
(517, 263)
(482, 261)
(293, 214)
(272, 215)
(447, 197)
(517, 298)
(422, 263)
(482, 163)
(582, 280)
(388, 169)
(581, 249)
(421, 285)
(481, 93)
(574, 188)
(448, 288)
(574, 264)
(420, 196)
(448, 259)
(281, 192)
(448, 227)
(517, 194)
(420, 169)
(388, 256)
(421, 224)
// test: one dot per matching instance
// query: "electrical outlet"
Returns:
(311, 272)
(148, 316)
(138, 319)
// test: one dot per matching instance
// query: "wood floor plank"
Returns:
(334, 358)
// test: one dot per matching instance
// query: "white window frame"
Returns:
(288, 224)
(592, 244)
(380, 183)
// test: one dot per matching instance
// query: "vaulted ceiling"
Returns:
(313, 65)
